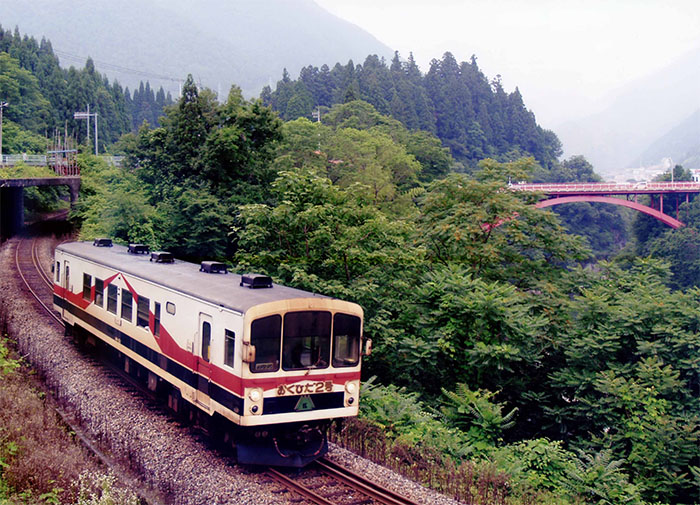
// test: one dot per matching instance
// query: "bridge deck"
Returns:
(609, 188)
(40, 181)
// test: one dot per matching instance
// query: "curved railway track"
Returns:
(322, 483)
(36, 280)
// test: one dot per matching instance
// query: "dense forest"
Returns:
(472, 116)
(42, 97)
(500, 339)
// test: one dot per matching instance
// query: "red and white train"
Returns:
(267, 364)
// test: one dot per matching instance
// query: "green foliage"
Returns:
(491, 231)
(112, 203)
(477, 415)
(681, 248)
(473, 117)
(600, 479)
(403, 419)
(20, 89)
(627, 383)
(16, 139)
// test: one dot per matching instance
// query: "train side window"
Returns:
(87, 286)
(265, 335)
(112, 295)
(99, 292)
(229, 347)
(156, 319)
(58, 272)
(142, 311)
(127, 303)
(206, 340)
(346, 340)
(170, 308)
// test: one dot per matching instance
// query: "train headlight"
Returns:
(352, 388)
(255, 395)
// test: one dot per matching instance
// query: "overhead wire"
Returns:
(117, 68)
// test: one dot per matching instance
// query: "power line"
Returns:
(118, 68)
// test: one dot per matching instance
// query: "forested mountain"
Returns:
(221, 42)
(42, 96)
(474, 117)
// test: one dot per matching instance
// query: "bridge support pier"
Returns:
(11, 211)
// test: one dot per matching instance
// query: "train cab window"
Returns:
(127, 304)
(265, 334)
(170, 308)
(156, 319)
(346, 340)
(306, 340)
(142, 311)
(99, 292)
(206, 340)
(229, 347)
(87, 286)
(58, 272)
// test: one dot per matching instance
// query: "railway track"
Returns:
(324, 482)
(321, 483)
(37, 281)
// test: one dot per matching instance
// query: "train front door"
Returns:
(202, 358)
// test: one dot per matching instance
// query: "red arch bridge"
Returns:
(625, 194)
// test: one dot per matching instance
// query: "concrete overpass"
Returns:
(12, 199)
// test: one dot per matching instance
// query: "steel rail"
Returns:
(21, 272)
(361, 484)
(291, 484)
(40, 268)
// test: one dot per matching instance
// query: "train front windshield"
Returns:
(305, 340)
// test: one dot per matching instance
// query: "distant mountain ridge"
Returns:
(220, 42)
(641, 113)
(681, 144)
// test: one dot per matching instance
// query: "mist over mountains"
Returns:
(220, 42)
(641, 114)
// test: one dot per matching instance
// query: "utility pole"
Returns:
(3, 104)
(87, 115)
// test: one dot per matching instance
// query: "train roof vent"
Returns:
(162, 257)
(213, 267)
(102, 242)
(254, 281)
(139, 249)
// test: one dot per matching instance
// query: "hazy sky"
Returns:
(566, 56)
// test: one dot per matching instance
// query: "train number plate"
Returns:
(308, 388)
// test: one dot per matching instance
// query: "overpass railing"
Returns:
(27, 159)
(38, 160)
